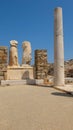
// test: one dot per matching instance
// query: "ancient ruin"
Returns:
(15, 71)
(3, 62)
(41, 70)
(58, 48)
(13, 54)
(26, 58)
(41, 64)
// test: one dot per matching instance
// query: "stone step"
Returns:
(13, 82)
(21, 82)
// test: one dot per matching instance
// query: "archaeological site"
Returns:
(34, 93)
(56, 74)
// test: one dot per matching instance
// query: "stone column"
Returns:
(58, 48)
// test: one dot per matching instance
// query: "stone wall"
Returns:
(3, 62)
(41, 64)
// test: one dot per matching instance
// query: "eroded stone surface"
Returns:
(58, 48)
(20, 73)
(41, 64)
(26, 58)
(3, 62)
(13, 54)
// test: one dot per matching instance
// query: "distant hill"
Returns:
(68, 68)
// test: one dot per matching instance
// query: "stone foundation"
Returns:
(20, 73)
(22, 82)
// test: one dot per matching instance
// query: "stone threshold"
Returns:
(67, 88)
(21, 82)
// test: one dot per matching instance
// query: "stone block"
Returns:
(20, 73)
(13, 82)
(22, 82)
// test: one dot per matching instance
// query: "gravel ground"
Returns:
(35, 108)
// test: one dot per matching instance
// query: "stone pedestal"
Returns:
(20, 73)
(58, 48)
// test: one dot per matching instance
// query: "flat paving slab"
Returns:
(28, 107)
(67, 88)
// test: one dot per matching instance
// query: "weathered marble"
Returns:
(26, 58)
(20, 73)
(13, 54)
(58, 48)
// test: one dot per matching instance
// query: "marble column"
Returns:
(58, 48)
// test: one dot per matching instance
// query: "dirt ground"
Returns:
(35, 108)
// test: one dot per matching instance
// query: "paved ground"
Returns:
(35, 108)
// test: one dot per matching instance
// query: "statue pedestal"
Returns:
(20, 72)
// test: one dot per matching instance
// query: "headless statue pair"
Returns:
(13, 55)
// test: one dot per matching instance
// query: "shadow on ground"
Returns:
(62, 94)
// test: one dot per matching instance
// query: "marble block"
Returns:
(20, 72)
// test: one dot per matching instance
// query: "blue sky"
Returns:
(33, 20)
